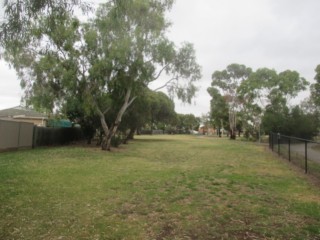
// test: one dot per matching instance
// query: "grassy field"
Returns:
(157, 187)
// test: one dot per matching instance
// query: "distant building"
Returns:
(22, 114)
(204, 130)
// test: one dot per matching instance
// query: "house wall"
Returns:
(15, 135)
(207, 131)
(37, 122)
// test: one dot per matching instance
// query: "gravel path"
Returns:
(313, 154)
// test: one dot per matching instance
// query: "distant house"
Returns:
(22, 114)
(206, 130)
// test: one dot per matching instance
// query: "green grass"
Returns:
(157, 187)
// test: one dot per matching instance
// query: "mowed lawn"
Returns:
(157, 187)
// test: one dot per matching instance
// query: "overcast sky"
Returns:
(277, 34)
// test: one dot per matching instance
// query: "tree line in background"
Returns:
(98, 71)
(255, 102)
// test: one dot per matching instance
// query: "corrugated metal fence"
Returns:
(15, 135)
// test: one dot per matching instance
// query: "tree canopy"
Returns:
(227, 83)
(315, 88)
(107, 60)
(253, 97)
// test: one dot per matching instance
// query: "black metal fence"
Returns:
(301, 152)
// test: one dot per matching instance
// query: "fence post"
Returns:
(306, 156)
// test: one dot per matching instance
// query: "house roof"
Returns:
(21, 112)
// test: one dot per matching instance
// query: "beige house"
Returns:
(22, 114)
(204, 130)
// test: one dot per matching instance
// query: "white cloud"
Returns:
(10, 93)
(266, 33)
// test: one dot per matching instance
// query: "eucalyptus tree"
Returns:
(151, 108)
(133, 51)
(228, 82)
(255, 94)
(268, 93)
(266, 86)
(315, 88)
(106, 61)
(161, 109)
(219, 110)
(19, 26)
(187, 123)
(313, 103)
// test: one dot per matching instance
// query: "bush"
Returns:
(116, 141)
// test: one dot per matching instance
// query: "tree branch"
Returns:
(102, 118)
(131, 101)
(166, 84)
(159, 74)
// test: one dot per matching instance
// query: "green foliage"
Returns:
(315, 88)
(155, 109)
(302, 125)
(219, 110)
(227, 84)
(116, 141)
(275, 119)
(248, 97)
(22, 20)
(161, 108)
(294, 123)
(107, 61)
(187, 123)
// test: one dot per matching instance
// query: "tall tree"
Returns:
(300, 124)
(107, 60)
(315, 88)
(187, 123)
(228, 82)
(219, 111)
(266, 85)
(267, 92)
(312, 105)
(161, 109)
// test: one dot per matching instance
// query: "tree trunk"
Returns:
(110, 132)
(131, 134)
(105, 130)
(232, 134)
(232, 123)
(113, 130)
(151, 133)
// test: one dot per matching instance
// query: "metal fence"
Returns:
(15, 135)
(301, 152)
